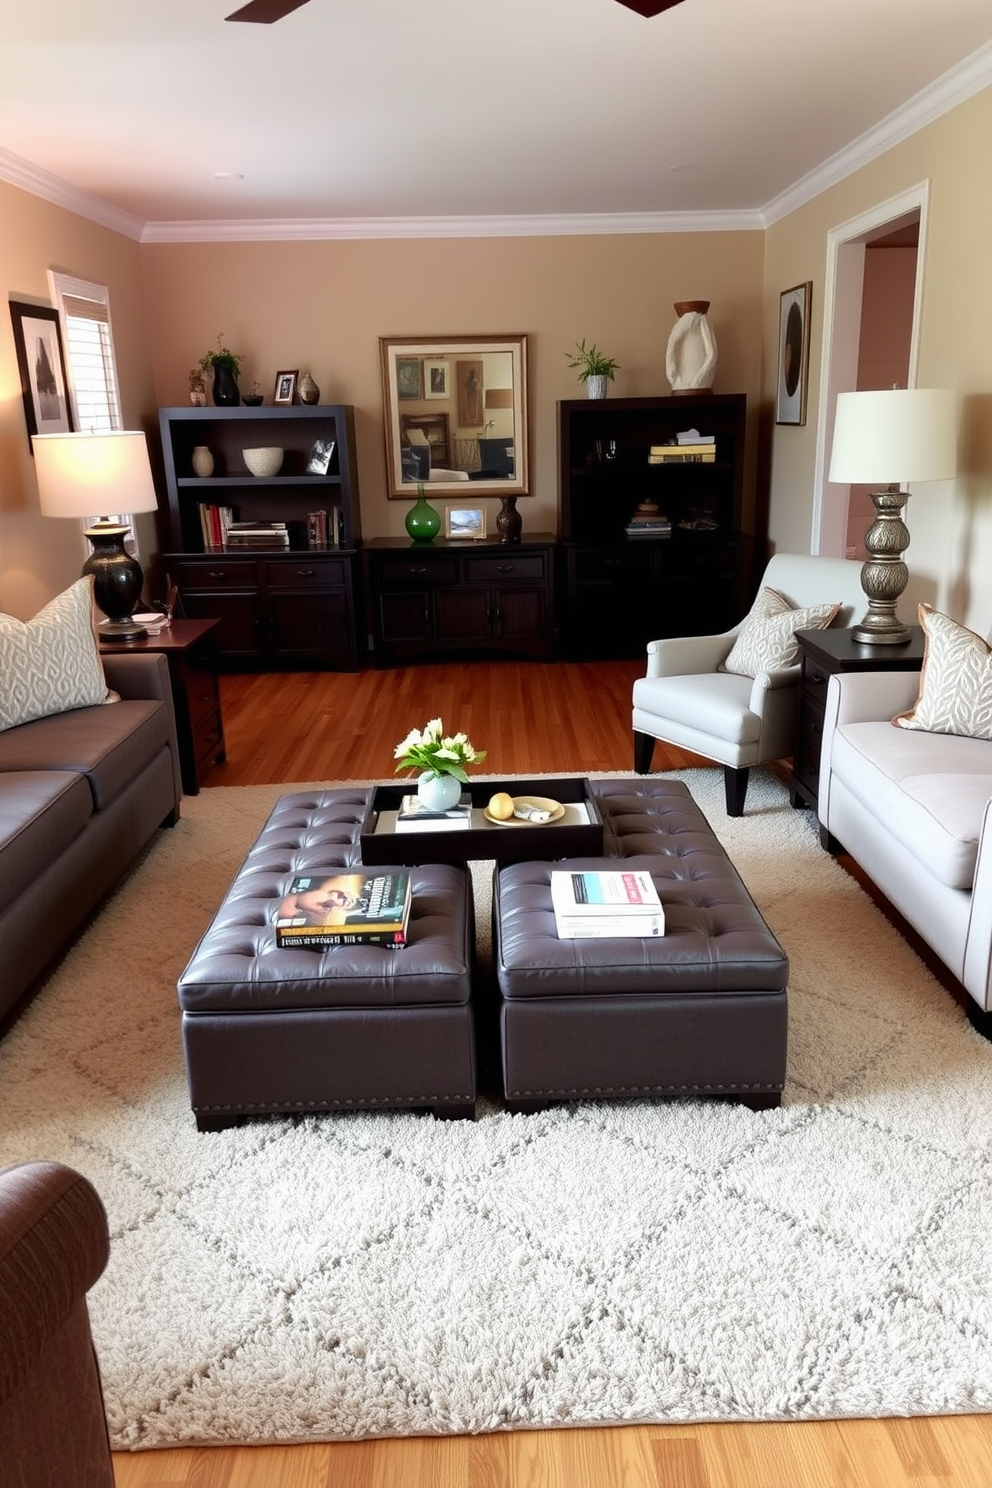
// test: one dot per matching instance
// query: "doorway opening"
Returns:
(872, 298)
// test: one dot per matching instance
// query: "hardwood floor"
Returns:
(529, 717)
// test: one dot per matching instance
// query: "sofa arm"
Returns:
(865, 697)
(54, 1244)
(859, 697)
(142, 675)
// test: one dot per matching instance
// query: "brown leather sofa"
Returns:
(53, 1246)
(81, 793)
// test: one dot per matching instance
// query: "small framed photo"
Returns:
(41, 364)
(409, 377)
(793, 354)
(321, 456)
(465, 523)
(437, 378)
(286, 386)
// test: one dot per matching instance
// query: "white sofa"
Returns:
(913, 809)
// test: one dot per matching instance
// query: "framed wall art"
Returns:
(465, 523)
(409, 377)
(793, 354)
(437, 375)
(285, 389)
(41, 364)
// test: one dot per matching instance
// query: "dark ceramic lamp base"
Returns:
(117, 581)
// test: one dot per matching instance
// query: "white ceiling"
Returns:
(558, 111)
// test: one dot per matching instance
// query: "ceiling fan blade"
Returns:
(649, 7)
(265, 11)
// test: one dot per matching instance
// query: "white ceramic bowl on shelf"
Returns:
(264, 461)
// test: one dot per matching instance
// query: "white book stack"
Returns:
(610, 905)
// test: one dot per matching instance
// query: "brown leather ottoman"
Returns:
(300, 1031)
(701, 1011)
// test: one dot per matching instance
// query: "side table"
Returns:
(188, 649)
(822, 654)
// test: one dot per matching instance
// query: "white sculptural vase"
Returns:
(690, 358)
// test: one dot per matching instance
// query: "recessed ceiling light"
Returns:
(229, 175)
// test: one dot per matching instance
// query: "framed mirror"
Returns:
(455, 412)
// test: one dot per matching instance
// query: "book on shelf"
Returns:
(338, 906)
(413, 816)
(682, 454)
(693, 436)
(621, 904)
(214, 523)
(317, 529)
(257, 535)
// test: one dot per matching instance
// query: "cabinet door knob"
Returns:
(505, 567)
(305, 573)
(216, 573)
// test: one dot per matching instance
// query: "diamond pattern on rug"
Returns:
(378, 1274)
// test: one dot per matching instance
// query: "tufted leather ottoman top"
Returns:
(237, 966)
(715, 941)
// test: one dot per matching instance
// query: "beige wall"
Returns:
(39, 556)
(323, 306)
(950, 556)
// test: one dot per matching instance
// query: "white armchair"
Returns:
(738, 721)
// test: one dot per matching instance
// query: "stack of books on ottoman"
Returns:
(608, 905)
(338, 907)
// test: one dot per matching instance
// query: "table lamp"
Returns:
(79, 474)
(897, 435)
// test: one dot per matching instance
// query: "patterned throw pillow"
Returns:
(51, 663)
(956, 681)
(766, 641)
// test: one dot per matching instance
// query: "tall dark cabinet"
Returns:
(617, 591)
(275, 605)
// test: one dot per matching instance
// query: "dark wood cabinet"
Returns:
(448, 598)
(274, 606)
(621, 591)
(823, 653)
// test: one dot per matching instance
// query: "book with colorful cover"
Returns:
(340, 906)
(610, 904)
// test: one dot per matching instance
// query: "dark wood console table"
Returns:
(822, 654)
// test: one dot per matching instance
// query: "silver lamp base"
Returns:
(884, 574)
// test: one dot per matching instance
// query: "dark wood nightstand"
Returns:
(822, 654)
(188, 649)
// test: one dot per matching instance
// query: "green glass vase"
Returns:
(423, 523)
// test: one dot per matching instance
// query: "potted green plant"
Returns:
(224, 365)
(595, 369)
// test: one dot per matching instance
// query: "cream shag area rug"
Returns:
(388, 1274)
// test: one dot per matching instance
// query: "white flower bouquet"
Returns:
(432, 750)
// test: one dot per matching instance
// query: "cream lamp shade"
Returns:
(895, 436)
(888, 438)
(79, 474)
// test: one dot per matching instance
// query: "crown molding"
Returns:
(31, 178)
(309, 229)
(954, 88)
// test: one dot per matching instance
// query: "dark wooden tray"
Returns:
(521, 843)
